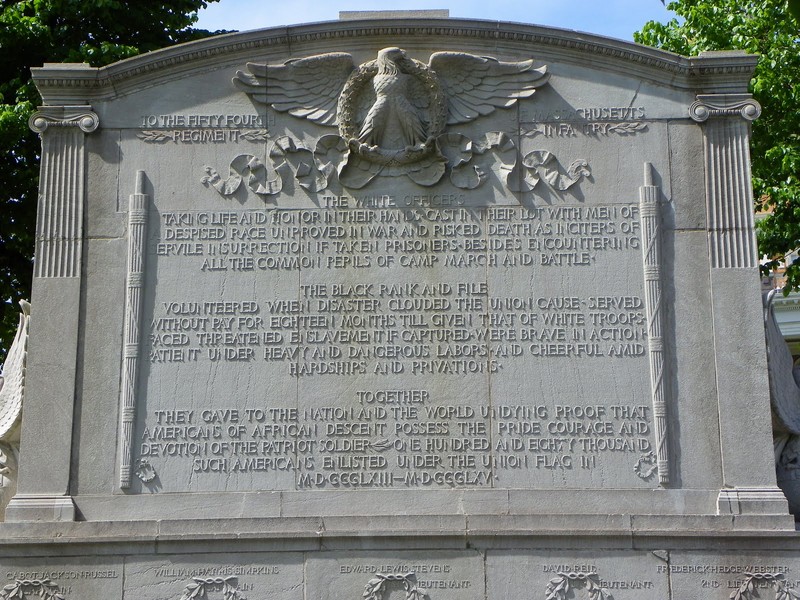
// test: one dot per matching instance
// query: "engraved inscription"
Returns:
(44, 588)
(54, 584)
(592, 113)
(195, 577)
(426, 231)
(203, 128)
(416, 579)
(740, 582)
(597, 122)
(353, 447)
(355, 345)
(414, 327)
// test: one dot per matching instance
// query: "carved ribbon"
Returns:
(469, 162)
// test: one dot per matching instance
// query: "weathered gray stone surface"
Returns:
(418, 308)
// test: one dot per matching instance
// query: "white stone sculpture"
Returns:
(408, 103)
(391, 111)
(784, 387)
(12, 383)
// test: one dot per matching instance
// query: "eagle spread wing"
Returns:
(477, 85)
(308, 88)
(12, 381)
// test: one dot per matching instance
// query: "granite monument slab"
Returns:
(427, 308)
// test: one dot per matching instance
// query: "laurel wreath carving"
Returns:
(348, 106)
(144, 470)
(44, 588)
(558, 587)
(747, 590)
(159, 136)
(197, 589)
(254, 135)
(628, 128)
(646, 466)
(375, 587)
(152, 135)
(381, 445)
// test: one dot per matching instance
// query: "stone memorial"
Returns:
(389, 307)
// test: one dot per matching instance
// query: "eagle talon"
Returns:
(415, 148)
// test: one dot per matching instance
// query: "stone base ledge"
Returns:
(453, 532)
(393, 502)
(35, 507)
(752, 501)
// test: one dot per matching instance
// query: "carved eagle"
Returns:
(393, 100)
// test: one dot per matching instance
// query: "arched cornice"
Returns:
(719, 72)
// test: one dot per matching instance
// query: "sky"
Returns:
(612, 18)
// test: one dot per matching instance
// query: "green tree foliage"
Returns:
(33, 32)
(770, 28)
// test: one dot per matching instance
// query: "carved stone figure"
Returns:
(784, 387)
(391, 110)
(12, 383)
(393, 120)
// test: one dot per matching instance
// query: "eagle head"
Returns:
(391, 59)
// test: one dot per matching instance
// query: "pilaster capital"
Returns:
(82, 117)
(724, 105)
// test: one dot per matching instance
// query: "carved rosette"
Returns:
(59, 226)
(726, 122)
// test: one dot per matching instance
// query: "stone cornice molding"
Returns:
(718, 71)
(724, 105)
(81, 117)
(790, 302)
